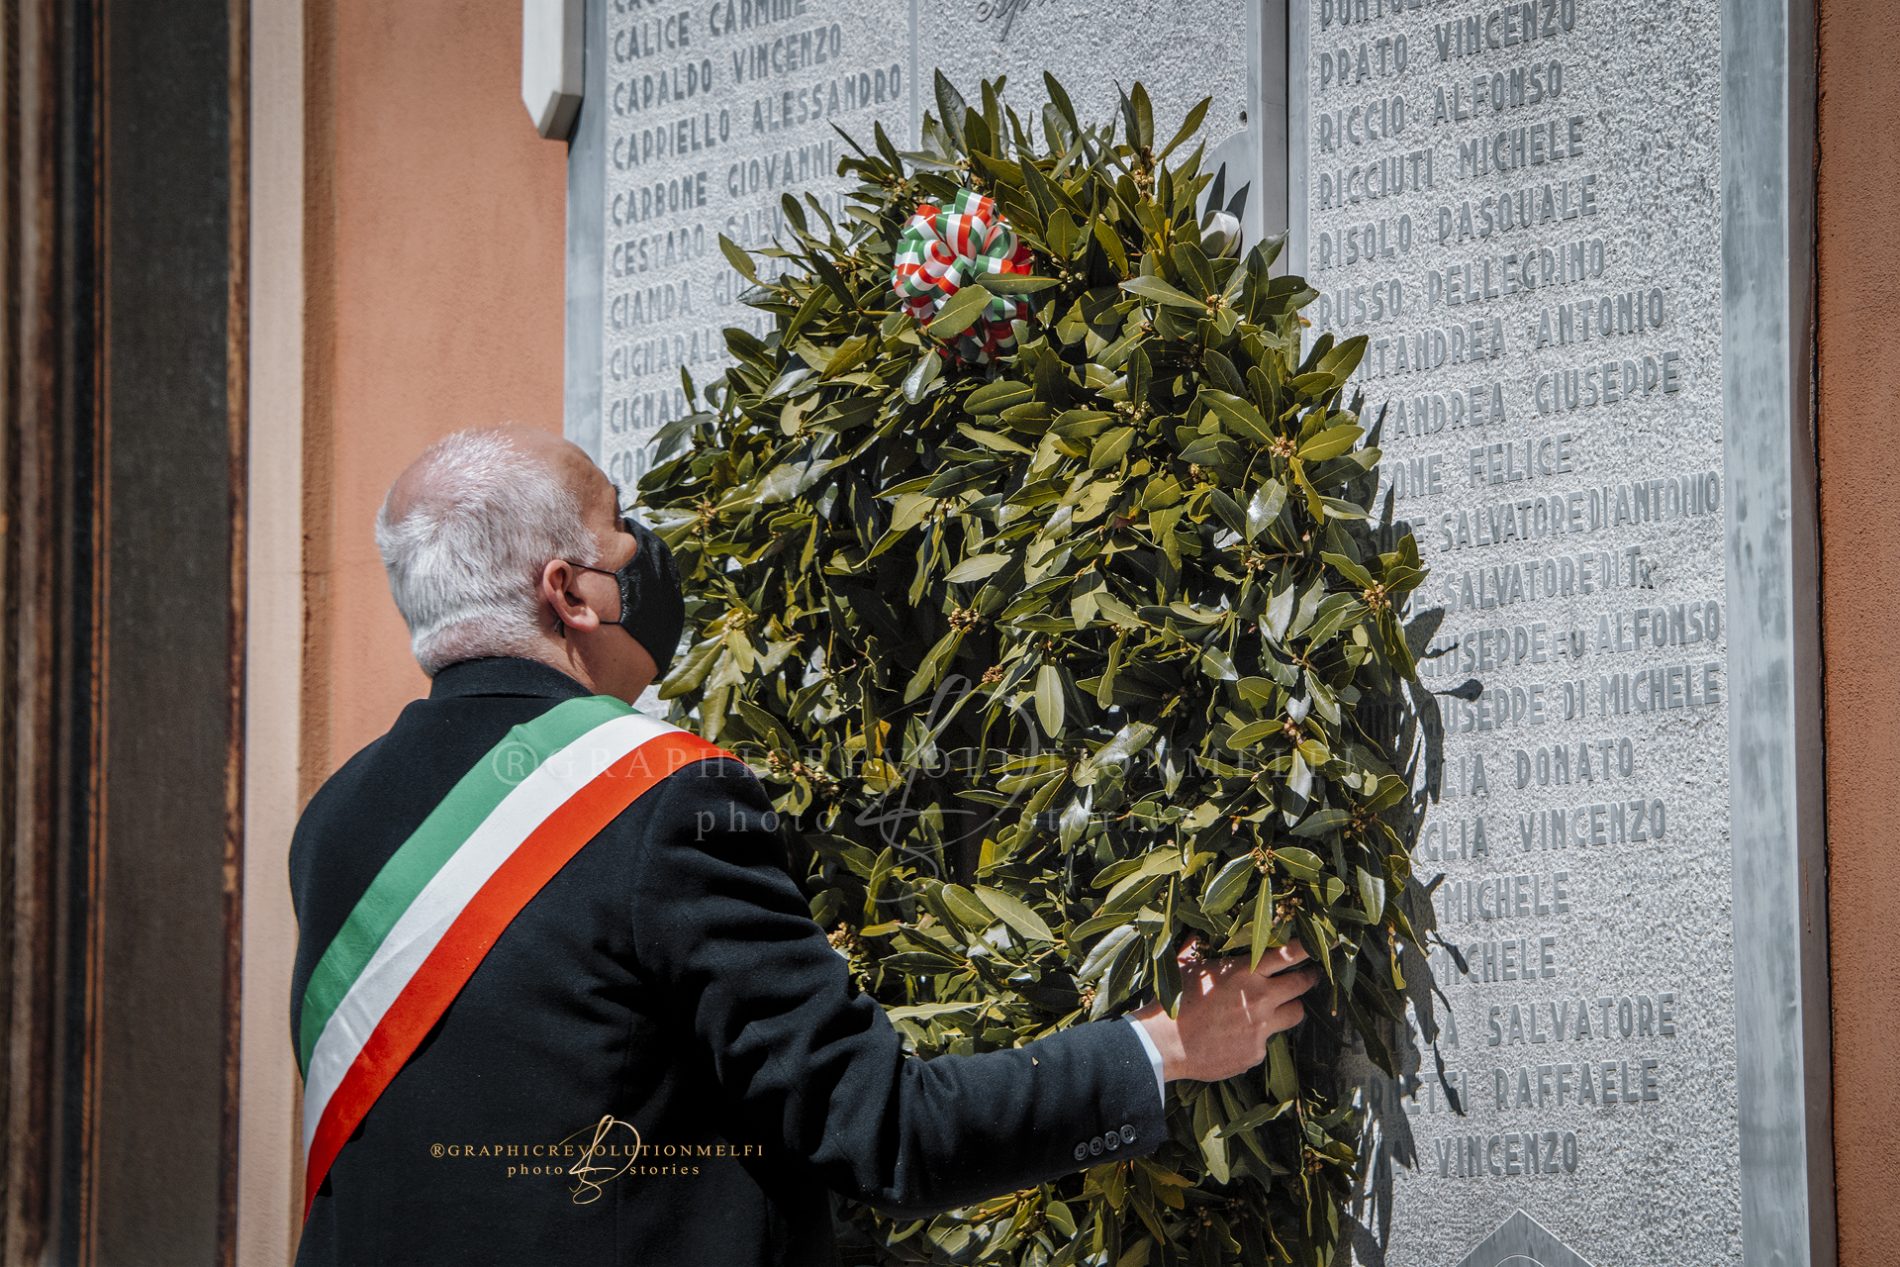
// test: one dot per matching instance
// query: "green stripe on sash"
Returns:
(473, 798)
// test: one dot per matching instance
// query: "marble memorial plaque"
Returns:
(1521, 205)
(712, 114)
(699, 117)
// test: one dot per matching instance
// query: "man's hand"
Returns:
(1228, 1011)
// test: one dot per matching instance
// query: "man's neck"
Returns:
(559, 654)
(505, 674)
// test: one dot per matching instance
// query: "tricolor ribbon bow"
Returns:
(943, 251)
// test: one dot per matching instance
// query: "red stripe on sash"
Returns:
(448, 967)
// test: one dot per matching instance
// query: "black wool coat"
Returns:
(670, 978)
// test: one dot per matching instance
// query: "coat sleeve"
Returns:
(816, 1066)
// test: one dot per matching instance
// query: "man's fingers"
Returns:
(1289, 1014)
(1280, 958)
(1281, 986)
(1298, 981)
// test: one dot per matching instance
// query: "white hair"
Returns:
(465, 554)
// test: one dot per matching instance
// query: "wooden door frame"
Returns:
(110, 824)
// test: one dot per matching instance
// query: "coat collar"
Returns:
(504, 675)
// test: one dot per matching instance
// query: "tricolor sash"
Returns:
(416, 935)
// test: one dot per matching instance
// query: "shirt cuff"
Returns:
(1154, 1058)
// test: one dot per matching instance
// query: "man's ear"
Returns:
(559, 592)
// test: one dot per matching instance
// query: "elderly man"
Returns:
(557, 998)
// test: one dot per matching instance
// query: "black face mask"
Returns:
(652, 608)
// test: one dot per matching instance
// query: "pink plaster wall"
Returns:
(434, 271)
(1859, 398)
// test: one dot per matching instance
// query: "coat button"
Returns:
(1095, 1147)
(1081, 1151)
(1128, 1134)
(1111, 1141)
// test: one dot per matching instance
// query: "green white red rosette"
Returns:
(942, 251)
